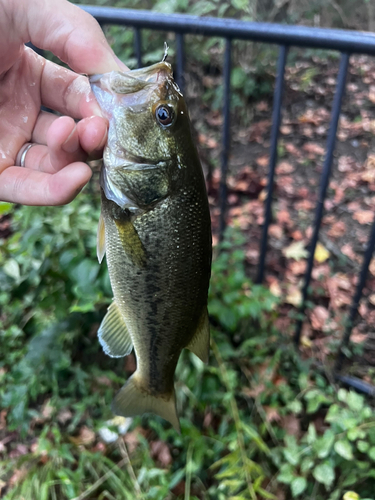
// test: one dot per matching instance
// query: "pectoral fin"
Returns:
(200, 343)
(113, 333)
(100, 244)
(131, 401)
(131, 242)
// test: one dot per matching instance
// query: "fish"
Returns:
(155, 231)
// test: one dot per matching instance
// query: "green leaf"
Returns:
(298, 486)
(307, 464)
(351, 495)
(355, 401)
(355, 433)
(12, 269)
(5, 208)
(323, 445)
(344, 449)
(295, 406)
(291, 456)
(371, 453)
(324, 474)
(286, 475)
(342, 395)
(363, 446)
(311, 434)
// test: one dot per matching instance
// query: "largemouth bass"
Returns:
(155, 230)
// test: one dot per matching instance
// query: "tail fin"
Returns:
(131, 401)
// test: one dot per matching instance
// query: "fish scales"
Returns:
(171, 284)
(157, 237)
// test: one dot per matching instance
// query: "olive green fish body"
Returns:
(157, 242)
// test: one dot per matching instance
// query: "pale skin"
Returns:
(55, 169)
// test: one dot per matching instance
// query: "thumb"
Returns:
(72, 34)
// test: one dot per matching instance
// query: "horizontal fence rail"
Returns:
(302, 36)
(346, 42)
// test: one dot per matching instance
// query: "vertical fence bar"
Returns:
(276, 120)
(226, 136)
(357, 297)
(331, 140)
(180, 63)
(138, 46)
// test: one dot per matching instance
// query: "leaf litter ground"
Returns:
(349, 206)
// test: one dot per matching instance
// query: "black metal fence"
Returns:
(346, 42)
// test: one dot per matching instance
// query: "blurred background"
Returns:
(261, 421)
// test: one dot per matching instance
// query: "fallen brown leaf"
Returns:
(313, 148)
(263, 161)
(292, 425)
(160, 452)
(358, 338)
(275, 288)
(319, 317)
(298, 267)
(259, 130)
(254, 392)
(346, 163)
(363, 310)
(132, 440)
(364, 216)
(275, 231)
(272, 415)
(349, 252)
(338, 229)
(286, 129)
(294, 296)
(284, 167)
(304, 205)
(292, 149)
(86, 436)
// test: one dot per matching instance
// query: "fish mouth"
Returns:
(129, 82)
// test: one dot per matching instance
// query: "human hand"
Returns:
(54, 169)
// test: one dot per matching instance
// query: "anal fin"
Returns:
(131, 400)
(113, 333)
(100, 245)
(200, 343)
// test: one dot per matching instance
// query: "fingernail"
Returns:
(122, 65)
(96, 111)
(102, 142)
(71, 144)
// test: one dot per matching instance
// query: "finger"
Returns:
(63, 147)
(70, 33)
(92, 133)
(41, 127)
(67, 142)
(67, 92)
(30, 187)
(63, 144)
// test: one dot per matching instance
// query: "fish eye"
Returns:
(164, 115)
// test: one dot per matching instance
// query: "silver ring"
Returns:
(25, 148)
